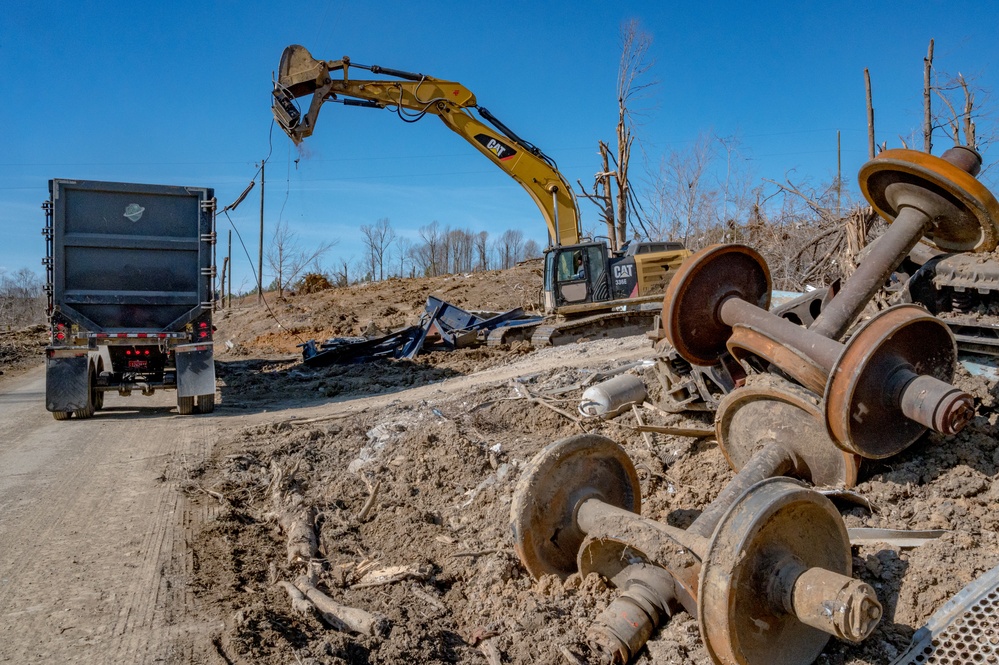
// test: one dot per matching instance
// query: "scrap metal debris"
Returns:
(443, 326)
(965, 630)
(766, 559)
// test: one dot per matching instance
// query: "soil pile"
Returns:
(21, 349)
(410, 468)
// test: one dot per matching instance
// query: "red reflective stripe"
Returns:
(137, 335)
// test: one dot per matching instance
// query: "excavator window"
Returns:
(571, 266)
(599, 288)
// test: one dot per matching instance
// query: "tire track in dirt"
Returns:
(622, 350)
(95, 560)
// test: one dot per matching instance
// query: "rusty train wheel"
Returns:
(691, 305)
(751, 417)
(971, 222)
(860, 413)
(775, 519)
(561, 476)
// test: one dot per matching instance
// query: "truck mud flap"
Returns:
(66, 380)
(195, 370)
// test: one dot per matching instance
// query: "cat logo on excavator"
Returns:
(498, 148)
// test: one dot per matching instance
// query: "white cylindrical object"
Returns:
(612, 396)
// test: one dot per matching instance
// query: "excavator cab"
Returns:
(576, 275)
(587, 276)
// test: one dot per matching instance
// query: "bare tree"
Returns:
(22, 301)
(807, 239)
(509, 247)
(287, 260)
(611, 191)
(403, 253)
(681, 204)
(602, 193)
(532, 250)
(460, 246)
(377, 239)
(429, 255)
(961, 113)
(481, 244)
(342, 272)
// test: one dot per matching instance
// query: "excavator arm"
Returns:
(412, 96)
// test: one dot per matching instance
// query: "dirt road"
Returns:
(94, 532)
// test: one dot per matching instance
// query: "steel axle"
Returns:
(776, 555)
(898, 363)
(935, 197)
(720, 297)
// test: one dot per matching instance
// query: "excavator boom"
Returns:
(412, 96)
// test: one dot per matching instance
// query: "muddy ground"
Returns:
(443, 464)
(445, 468)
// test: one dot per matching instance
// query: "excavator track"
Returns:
(607, 324)
(511, 334)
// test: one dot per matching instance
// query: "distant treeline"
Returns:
(22, 300)
(438, 250)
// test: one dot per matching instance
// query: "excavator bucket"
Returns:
(299, 74)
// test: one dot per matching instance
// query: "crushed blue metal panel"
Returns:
(443, 326)
(411, 350)
(345, 351)
(452, 316)
(983, 366)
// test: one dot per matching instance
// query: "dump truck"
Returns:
(129, 281)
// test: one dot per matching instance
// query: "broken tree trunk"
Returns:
(624, 140)
(294, 517)
(340, 616)
(927, 110)
(299, 603)
(870, 115)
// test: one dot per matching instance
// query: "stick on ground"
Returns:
(337, 615)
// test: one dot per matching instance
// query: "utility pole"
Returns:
(229, 287)
(839, 174)
(260, 253)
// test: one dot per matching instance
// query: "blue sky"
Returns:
(179, 93)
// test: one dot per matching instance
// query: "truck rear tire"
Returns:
(86, 412)
(98, 394)
(90, 408)
(185, 405)
(62, 415)
(206, 403)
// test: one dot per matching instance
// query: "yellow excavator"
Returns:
(587, 288)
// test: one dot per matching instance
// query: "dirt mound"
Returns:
(21, 349)
(278, 326)
(411, 468)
